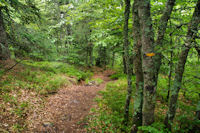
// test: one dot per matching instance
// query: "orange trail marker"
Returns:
(150, 54)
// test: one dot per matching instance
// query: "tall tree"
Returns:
(150, 62)
(161, 32)
(138, 100)
(190, 38)
(127, 60)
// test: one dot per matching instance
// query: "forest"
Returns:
(99, 66)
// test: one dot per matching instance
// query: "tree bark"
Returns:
(124, 61)
(198, 50)
(127, 59)
(192, 28)
(113, 59)
(170, 74)
(148, 63)
(4, 50)
(138, 100)
(170, 69)
(161, 32)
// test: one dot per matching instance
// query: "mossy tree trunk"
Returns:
(151, 63)
(170, 64)
(127, 61)
(161, 32)
(148, 62)
(124, 61)
(138, 100)
(192, 30)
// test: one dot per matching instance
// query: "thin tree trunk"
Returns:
(161, 32)
(198, 50)
(170, 75)
(91, 54)
(170, 70)
(124, 62)
(113, 59)
(4, 50)
(138, 100)
(176, 87)
(192, 28)
(128, 67)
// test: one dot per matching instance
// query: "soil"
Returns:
(64, 111)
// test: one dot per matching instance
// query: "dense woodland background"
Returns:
(152, 46)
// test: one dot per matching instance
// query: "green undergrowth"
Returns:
(59, 67)
(30, 81)
(108, 115)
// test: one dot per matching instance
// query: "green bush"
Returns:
(117, 76)
(154, 128)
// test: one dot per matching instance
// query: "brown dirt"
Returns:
(63, 111)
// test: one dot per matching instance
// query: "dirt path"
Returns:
(65, 109)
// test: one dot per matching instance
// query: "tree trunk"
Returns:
(91, 54)
(170, 74)
(124, 61)
(198, 50)
(128, 67)
(148, 63)
(138, 100)
(176, 86)
(170, 69)
(113, 59)
(4, 50)
(161, 32)
(192, 30)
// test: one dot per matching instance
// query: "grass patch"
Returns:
(108, 116)
(59, 67)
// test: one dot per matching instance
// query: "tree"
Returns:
(191, 34)
(151, 63)
(127, 60)
(138, 100)
(25, 11)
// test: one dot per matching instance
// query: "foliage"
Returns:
(108, 116)
(154, 128)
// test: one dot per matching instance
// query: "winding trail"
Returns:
(63, 111)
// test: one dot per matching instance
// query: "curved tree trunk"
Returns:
(192, 28)
(161, 32)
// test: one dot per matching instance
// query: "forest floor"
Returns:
(65, 111)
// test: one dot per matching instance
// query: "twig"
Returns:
(12, 67)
